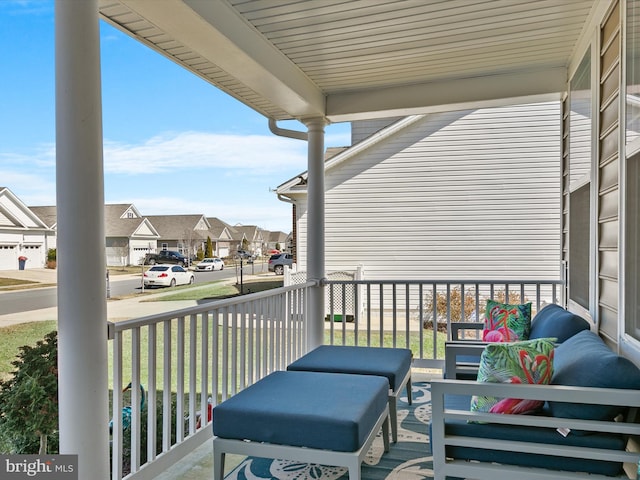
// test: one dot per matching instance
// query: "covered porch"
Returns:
(333, 61)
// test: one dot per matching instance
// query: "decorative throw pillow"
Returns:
(530, 361)
(506, 323)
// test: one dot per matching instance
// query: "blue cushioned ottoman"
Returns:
(305, 416)
(392, 363)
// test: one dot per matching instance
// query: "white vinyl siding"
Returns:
(471, 194)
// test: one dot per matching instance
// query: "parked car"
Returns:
(209, 264)
(167, 276)
(278, 262)
(166, 256)
(248, 256)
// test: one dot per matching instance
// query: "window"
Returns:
(633, 73)
(632, 256)
(580, 184)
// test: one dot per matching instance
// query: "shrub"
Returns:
(29, 400)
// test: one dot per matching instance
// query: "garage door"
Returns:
(8, 257)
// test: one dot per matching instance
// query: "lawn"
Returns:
(16, 336)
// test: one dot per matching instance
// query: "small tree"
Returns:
(209, 248)
(29, 399)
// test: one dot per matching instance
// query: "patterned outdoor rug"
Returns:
(409, 459)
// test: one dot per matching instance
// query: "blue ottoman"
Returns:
(393, 363)
(311, 417)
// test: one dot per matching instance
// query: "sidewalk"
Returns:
(117, 309)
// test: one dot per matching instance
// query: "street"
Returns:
(38, 298)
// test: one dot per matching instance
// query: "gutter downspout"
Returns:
(284, 132)
(315, 224)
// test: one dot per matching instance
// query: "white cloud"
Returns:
(204, 150)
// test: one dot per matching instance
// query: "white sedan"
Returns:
(167, 276)
(210, 264)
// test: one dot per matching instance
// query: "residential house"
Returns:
(467, 194)
(22, 234)
(277, 241)
(129, 235)
(251, 238)
(221, 236)
(183, 233)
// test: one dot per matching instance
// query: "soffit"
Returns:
(351, 59)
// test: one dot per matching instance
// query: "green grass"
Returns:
(217, 290)
(16, 336)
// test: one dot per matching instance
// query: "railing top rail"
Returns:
(444, 282)
(205, 307)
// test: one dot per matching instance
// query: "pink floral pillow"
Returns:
(530, 362)
(506, 323)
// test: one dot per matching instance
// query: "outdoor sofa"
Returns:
(584, 426)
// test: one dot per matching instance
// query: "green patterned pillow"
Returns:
(506, 323)
(530, 361)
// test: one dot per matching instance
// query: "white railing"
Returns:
(187, 361)
(391, 313)
(192, 359)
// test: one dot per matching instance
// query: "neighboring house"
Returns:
(252, 236)
(456, 195)
(220, 236)
(277, 241)
(22, 234)
(128, 235)
(183, 233)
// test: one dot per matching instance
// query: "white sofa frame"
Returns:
(444, 467)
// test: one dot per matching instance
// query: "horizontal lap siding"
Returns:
(471, 194)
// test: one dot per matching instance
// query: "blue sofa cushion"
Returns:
(584, 360)
(547, 436)
(557, 322)
(393, 363)
(305, 409)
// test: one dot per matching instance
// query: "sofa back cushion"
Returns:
(584, 360)
(557, 322)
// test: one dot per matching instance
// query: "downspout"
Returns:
(315, 228)
(284, 132)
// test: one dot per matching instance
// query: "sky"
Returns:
(173, 144)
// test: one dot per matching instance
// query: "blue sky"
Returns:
(172, 143)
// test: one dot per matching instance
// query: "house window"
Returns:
(580, 125)
(632, 256)
(165, 246)
(633, 74)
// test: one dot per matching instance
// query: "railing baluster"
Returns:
(166, 387)
(193, 362)
(152, 363)
(116, 415)
(180, 381)
(135, 399)
(204, 362)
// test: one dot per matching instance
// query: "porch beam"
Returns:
(82, 305)
(441, 96)
(315, 231)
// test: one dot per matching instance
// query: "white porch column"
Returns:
(82, 307)
(315, 230)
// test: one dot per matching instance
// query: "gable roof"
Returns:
(300, 180)
(47, 214)
(15, 214)
(174, 227)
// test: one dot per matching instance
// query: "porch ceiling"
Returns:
(353, 59)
